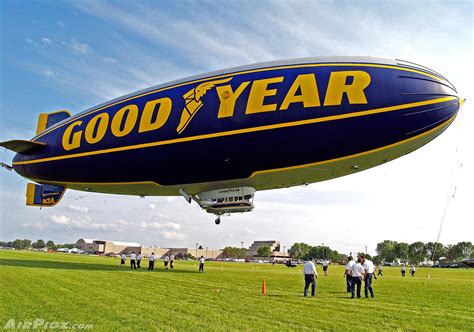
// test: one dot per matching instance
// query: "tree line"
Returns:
(387, 251)
(417, 252)
(19, 244)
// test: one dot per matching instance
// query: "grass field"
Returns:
(227, 296)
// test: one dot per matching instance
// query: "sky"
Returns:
(77, 54)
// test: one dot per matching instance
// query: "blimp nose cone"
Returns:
(435, 103)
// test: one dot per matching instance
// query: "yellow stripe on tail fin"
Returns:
(43, 194)
(46, 120)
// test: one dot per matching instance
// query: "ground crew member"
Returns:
(310, 274)
(133, 261)
(166, 260)
(403, 270)
(123, 258)
(201, 264)
(325, 266)
(139, 259)
(347, 273)
(369, 273)
(357, 273)
(412, 271)
(380, 271)
(171, 261)
(151, 262)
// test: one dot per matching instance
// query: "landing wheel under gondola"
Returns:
(218, 220)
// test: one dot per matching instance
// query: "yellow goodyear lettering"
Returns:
(96, 128)
(75, 142)
(130, 112)
(227, 99)
(337, 87)
(257, 95)
(309, 95)
(161, 114)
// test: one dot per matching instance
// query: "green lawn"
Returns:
(94, 290)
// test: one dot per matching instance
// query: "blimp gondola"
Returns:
(219, 137)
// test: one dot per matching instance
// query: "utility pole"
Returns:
(241, 244)
(197, 249)
(324, 256)
(366, 250)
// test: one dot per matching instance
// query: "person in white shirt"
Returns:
(201, 264)
(380, 270)
(171, 261)
(166, 260)
(139, 259)
(310, 274)
(357, 273)
(151, 262)
(412, 270)
(123, 258)
(347, 273)
(369, 273)
(325, 266)
(403, 270)
(133, 261)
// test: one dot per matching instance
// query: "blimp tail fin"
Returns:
(43, 194)
(46, 120)
(21, 146)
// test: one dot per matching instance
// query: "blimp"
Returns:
(218, 138)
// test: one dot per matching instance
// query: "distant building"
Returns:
(276, 254)
(107, 247)
(253, 250)
(118, 248)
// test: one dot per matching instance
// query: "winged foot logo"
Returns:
(194, 103)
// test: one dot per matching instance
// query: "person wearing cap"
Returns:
(139, 259)
(379, 273)
(347, 273)
(151, 262)
(357, 273)
(310, 276)
(369, 269)
(133, 261)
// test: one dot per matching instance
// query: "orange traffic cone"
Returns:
(264, 287)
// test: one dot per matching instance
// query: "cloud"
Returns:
(249, 231)
(155, 225)
(49, 73)
(60, 219)
(82, 209)
(152, 206)
(121, 222)
(110, 60)
(173, 235)
(79, 48)
(60, 23)
(84, 222)
(46, 41)
(34, 225)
